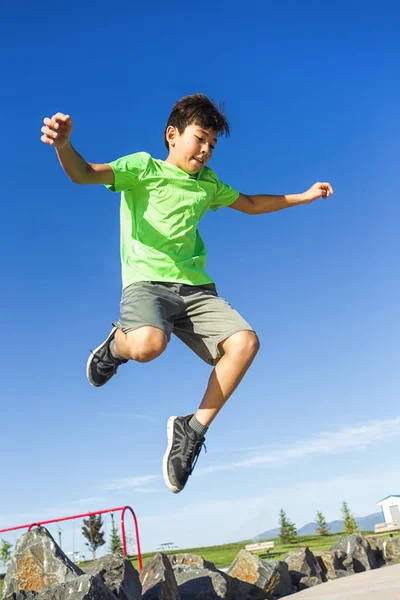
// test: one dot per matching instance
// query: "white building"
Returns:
(391, 513)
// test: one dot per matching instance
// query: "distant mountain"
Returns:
(364, 523)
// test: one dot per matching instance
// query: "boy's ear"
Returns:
(171, 135)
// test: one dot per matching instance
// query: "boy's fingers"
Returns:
(326, 189)
(47, 140)
(49, 132)
(60, 117)
(51, 123)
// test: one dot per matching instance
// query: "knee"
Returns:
(251, 343)
(243, 343)
(146, 346)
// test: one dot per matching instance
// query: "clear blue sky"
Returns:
(312, 93)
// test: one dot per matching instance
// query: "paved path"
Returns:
(379, 584)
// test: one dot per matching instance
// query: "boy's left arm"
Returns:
(263, 203)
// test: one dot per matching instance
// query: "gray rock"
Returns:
(330, 560)
(85, 587)
(191, 561)
(337, 574)
(280, 576)
(199, 579)
(158, 579)
(118, 574)
(391, 550)
(21, 596)
(307, 582)
(331, 563)
(376, 544)
(38, 562)
(259, 578)
(202, 584)
(303, 564)
(360, 556)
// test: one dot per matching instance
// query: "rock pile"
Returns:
(39, 570)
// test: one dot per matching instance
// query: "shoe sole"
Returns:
(91, 356)
(170, 435)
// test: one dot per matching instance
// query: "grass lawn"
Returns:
(222, 556)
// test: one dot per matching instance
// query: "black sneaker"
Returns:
(101, 364)
(184, 446)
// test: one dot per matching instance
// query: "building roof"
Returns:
(391, 496)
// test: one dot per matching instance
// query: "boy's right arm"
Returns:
(57, 132)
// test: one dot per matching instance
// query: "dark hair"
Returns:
(197, 109)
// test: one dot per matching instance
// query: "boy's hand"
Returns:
(318, 190)
(57, 130)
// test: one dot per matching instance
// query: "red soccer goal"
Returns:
(90, 514)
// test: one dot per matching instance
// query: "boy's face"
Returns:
(192, 149)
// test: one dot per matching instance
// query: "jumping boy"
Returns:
(165, 287)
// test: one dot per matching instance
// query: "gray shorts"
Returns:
(195, 314)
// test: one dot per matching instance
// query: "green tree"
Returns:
(5, 552)
(115, 540)
(287, 528)
(349, 522)
(322, 526)
(91, 530)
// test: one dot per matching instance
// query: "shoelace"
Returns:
(105, 364)
(193, 449)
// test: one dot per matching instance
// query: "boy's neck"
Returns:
(171, 160)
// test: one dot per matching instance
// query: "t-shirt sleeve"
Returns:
(127, 171)
(224, 196)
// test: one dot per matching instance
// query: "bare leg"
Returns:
(240, 350)
(143, 344)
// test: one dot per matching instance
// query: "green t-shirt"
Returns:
(161, 206)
